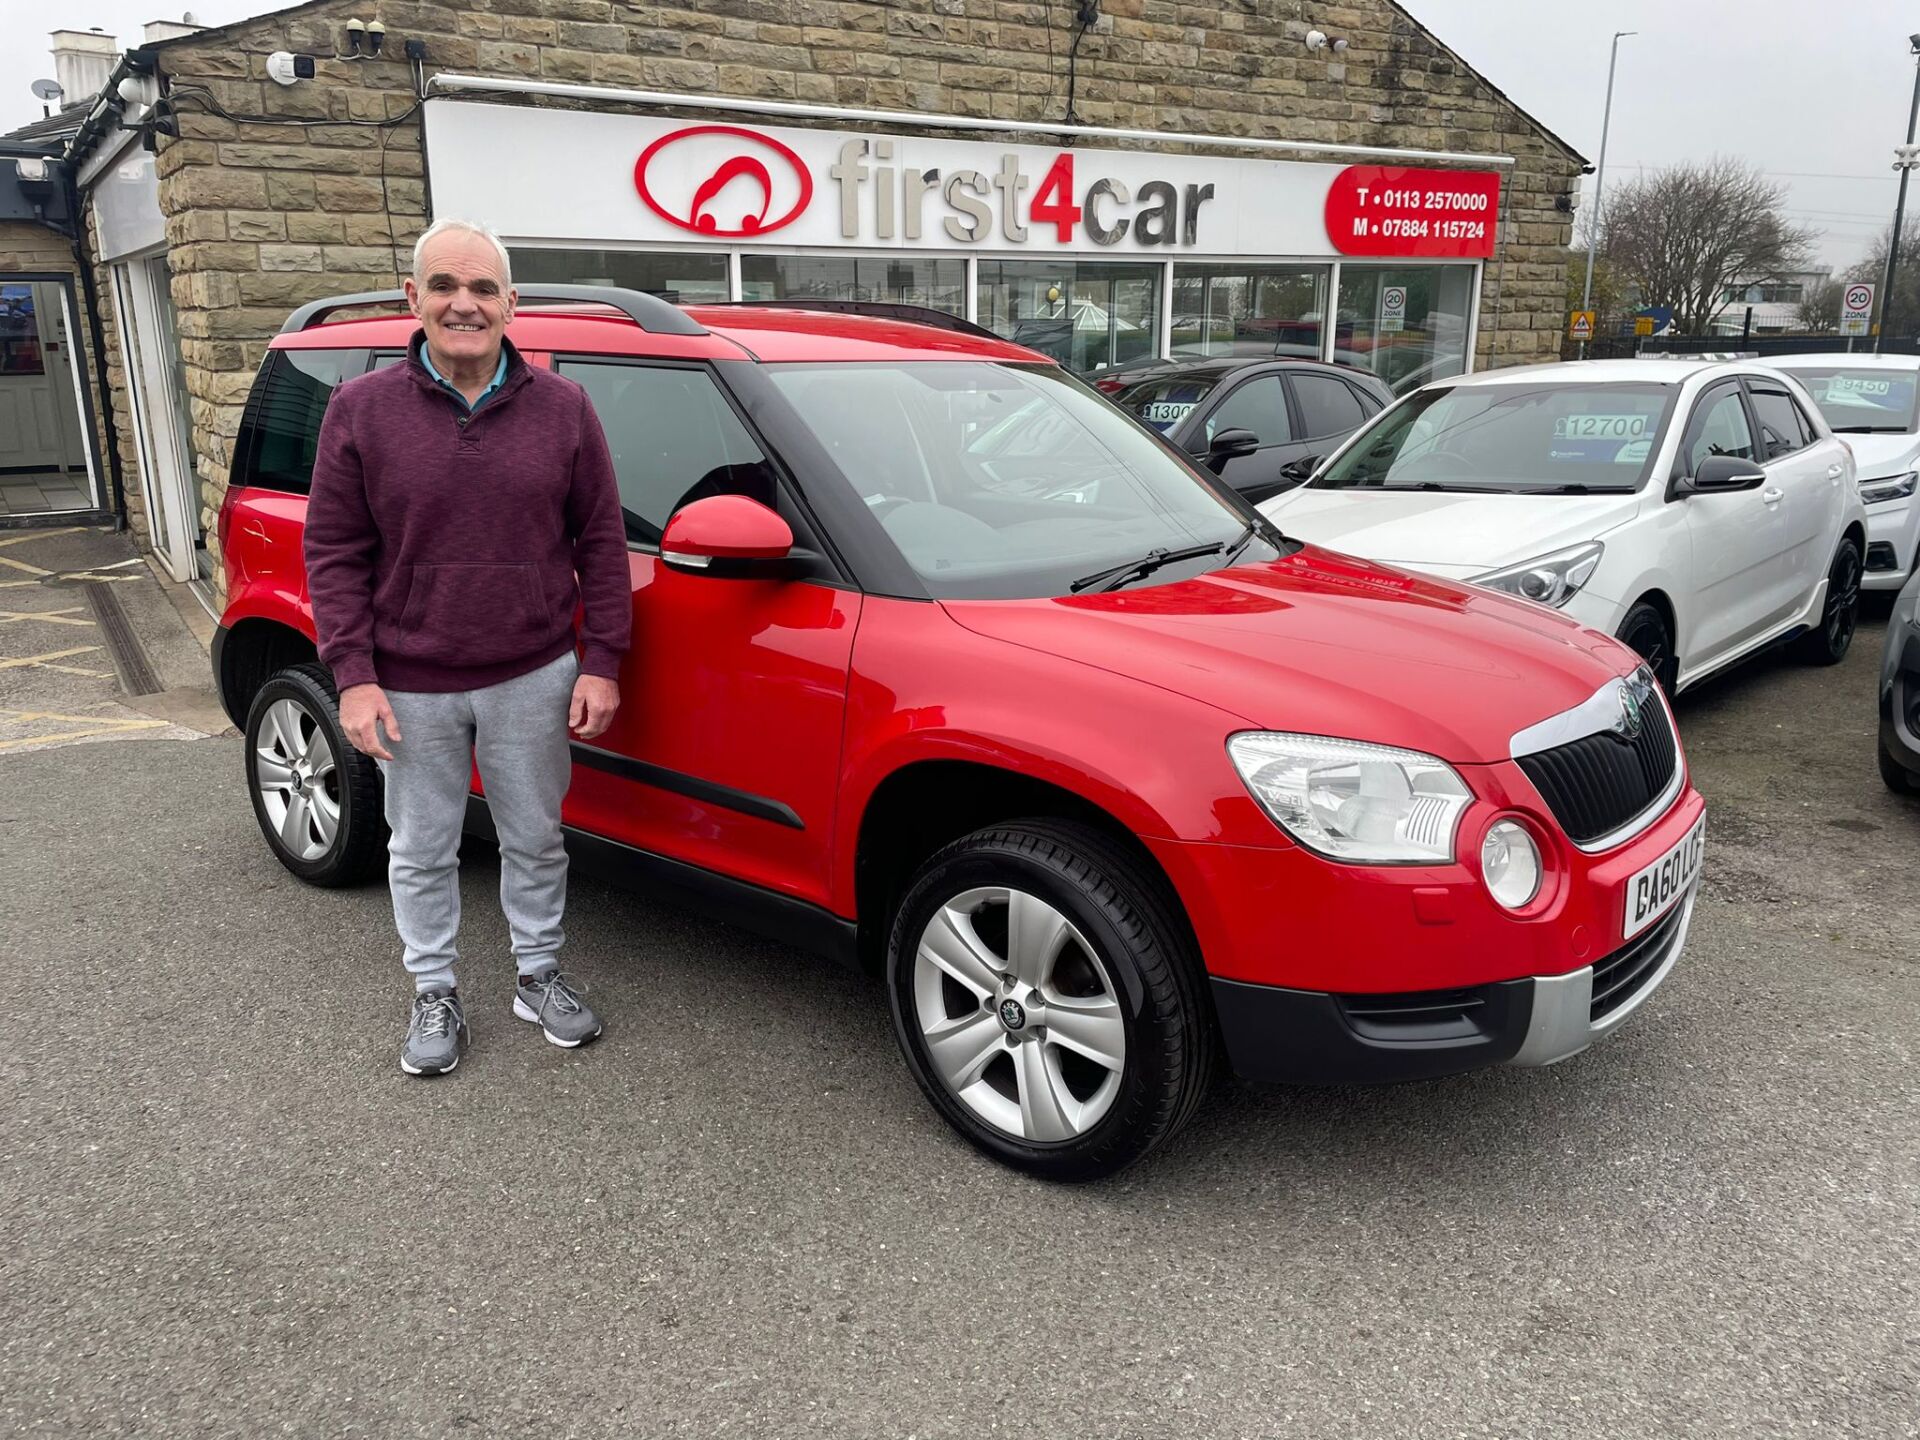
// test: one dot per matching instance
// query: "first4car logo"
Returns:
(749, 185)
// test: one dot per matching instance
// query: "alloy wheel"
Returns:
(1843, 604)
(1020, 1017)
(297, 778)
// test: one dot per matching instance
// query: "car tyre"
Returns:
(1898, 778)
(318, 800)
(1645, 631)
(1828, 642)
(1108, 948)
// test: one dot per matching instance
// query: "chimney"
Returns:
(157, 30)
(82, 60)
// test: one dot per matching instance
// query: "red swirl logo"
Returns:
(721, 180)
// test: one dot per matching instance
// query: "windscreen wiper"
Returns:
(1114, 576)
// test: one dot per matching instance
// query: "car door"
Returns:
(1805, 472)
(1258, 403)
(1329, 410)
(1736, 539)
(725, 750)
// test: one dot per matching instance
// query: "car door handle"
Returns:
(1773, 495)
(1834, 472)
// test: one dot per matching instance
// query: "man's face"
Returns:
(461, 296)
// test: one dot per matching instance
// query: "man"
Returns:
(462, 503)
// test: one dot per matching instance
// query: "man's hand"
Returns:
(595, 698)
(363, 710)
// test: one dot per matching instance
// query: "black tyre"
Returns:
(1897, 777)
(1047, 997)
(1645, 631)
(317, 798)
(1828, 642)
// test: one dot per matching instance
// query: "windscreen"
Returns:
(1518, 439)
(1004, 481)
(1863, 402)
(1164, 401)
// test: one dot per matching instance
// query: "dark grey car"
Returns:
(1900, 694)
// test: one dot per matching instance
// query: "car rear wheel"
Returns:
(1048, 1000)
(1828, 642)
(1645, 631)
(317, 798)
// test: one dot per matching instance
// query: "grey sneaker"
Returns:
(435, 1032)
(553, 1003)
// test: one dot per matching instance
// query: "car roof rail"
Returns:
(649, 312)
(878, 309)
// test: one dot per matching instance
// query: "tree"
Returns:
(1898, 313)
(1680, 235)
(1820, 307)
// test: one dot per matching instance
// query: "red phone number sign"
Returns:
(1394, 210)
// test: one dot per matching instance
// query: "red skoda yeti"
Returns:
(946, 667)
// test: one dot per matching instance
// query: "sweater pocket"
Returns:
(475, 614)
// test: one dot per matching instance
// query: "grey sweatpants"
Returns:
(518, 732)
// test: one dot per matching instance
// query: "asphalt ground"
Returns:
(225, 1212)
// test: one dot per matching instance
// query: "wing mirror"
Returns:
(1720, 475)
(1230, 444)
(1300, 471)
(727, 535)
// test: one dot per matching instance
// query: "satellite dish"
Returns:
(47, 90)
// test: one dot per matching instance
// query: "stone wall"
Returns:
(327, 194)
(26, 248)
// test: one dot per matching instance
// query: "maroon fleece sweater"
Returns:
(442, 547)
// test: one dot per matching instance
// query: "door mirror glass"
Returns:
(725, 535)
(1718, 474)
(1300, 470)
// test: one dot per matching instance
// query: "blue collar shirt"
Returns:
(499, 379)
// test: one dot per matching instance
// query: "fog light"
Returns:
(1510, 864)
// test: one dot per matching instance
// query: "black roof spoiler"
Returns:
(649, 312)
(878, 309)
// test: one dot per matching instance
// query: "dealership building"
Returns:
(1104, 183)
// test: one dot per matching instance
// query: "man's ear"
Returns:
(413, 296)
(513, 301)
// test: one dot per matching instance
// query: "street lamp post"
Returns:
(1600, 177)
(1904, 164)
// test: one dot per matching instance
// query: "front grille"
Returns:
(1623, 974)
(1596, 784)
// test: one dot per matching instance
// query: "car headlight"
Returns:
(1550, 580)
(1349, 800)
(1889, 487)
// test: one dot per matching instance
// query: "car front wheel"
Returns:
(1045, 993)
(1645, 631)
(318, 800)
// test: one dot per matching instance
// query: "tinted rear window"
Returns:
(1164, 401)
(282, 422)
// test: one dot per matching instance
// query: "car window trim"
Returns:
(841, 578)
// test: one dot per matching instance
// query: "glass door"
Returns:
(157, 380)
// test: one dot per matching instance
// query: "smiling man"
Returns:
(463, 505)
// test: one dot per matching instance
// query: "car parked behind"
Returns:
(1260, 425)
(1874, 402)
(947, 668)
(1699, 511)
(1900, 694)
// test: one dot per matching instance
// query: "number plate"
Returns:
(1663, 884)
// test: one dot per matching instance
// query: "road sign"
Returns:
(1393, 307)
(1643, 324)
(1856, 309)
(1580, 327)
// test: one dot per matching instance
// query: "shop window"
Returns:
(1088, 316)
(1422, 338)
(685, 278)
(280, 432)
(1249, 311)
(1327, 406)
(940, 284)
(20, 352)
(673, 437)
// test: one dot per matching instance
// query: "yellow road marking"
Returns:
(23, 565)
(50, 655)
(124, 729)
(40, 535)
(52, 617)
(76, 670)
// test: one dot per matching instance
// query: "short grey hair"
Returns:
(468, 227)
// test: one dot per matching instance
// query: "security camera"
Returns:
(286, 68)
(1316, 39)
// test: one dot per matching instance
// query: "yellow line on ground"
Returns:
(52, 617)
(41, 535)
(79, 719)
(50, 655)
(37, 740)
(23, 565)
(76, 670)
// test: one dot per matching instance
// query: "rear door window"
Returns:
(280, 430)
(1327, 406)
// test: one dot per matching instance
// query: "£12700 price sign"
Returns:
(1394, 210)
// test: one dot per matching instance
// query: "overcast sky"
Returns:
(1814, 94)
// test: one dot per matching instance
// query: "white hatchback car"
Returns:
(1697, 510)
(1874, 401)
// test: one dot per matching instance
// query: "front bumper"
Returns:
(1893, 534)
(1900, 689)
(1276, 1035)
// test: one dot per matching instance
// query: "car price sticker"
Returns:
(1662, 885)
(1166, 412)
(1599, 427)
(1857, 385)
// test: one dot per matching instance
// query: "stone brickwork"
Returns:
(324, 197)
(28, 249)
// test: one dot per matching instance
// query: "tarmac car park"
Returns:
(978, 684)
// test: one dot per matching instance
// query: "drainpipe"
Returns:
(78, 236)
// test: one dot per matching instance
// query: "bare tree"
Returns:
(1819, 308)
(1681, 235)
(1898, 313)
